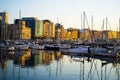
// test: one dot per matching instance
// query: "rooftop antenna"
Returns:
(81, 21)
(19, 14)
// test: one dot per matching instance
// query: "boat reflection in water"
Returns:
(54, 65)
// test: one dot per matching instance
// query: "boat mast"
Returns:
(119, 31)
(84, 36)
(92, 26)
(106, 30)
(81, 21)
(20, 25)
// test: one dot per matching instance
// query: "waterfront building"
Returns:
(68, 35)
(96, 34)
(19, 30)
(4, 16)
(59, 32)
(37, 29)
(41, 29)
(34, 24)
(85, 34)
(74, 34)
(110, 35)
(3, 25)
(65, 34)
(49, 29)
(13, 31)
(26, 31)
(52, 30)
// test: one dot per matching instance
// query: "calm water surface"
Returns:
(54, 65)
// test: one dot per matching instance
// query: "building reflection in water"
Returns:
(38, 57)
(3, 59)
(39, 64)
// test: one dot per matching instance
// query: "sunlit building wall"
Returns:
(74, 34)
(52, 30)
(46, 30)
(26, 31)
(49, 29)
(37, 29)
(112, 35)
(41, 28)
(69, 35)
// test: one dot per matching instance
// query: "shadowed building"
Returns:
(4, 16)
(3, 25)
(59, 32)
(34, 24)
(19, 30)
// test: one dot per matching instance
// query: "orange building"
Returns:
(52, 30)
(72, 34)
(48, 29)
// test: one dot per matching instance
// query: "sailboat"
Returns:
(117, 48)
(82, 48)
(98, 49)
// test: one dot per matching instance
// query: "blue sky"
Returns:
(68, 11)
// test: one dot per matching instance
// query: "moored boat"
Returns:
(52, 47)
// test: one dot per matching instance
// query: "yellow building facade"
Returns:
(112, 35)
(6, 17)
(26, 31)
(72, 34)
(68, 36)
(52, 30)
(48, 29)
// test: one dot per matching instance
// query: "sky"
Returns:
(66, 12)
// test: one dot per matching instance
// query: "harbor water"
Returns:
(54, 65)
